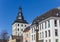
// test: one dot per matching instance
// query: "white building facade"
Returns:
(49, 27)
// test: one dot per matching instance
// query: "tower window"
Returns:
(18, 24)
(25, 25)
(22, 25)
(18, 29)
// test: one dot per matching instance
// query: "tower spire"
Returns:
(20, 9)
(20, 14)
(20, 18)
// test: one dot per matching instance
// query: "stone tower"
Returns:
(19, 24)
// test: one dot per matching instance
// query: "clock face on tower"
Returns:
(19, 18)
(20, 14)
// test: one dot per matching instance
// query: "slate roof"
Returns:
(52, 13)
(21, 19)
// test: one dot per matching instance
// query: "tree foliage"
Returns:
(4, 35)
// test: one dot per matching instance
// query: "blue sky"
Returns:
(31, 9)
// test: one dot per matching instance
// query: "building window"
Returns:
(26, 35)
(42, 25)
(18, 29)
(45, 25)
(22, 25)
(59, 22)
(18, 24)
(56, 40)
(55, 23)
(45, 33)
(38, 35)
(21, 29)
(32, 30)
(34, 36)
(49, 40)
(25, 25)
(46, 40)
(49, 33)
(56, 32)
(48, 23)
(42, 34)
(38, 27)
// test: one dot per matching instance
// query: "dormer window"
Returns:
(57, 14)
(42, 17)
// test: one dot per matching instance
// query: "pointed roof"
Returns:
(51, 13)
(20, 14)
(20, 18)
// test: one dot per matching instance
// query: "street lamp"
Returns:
(36, 29)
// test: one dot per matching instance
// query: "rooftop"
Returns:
(20, 17)
(51, 13)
